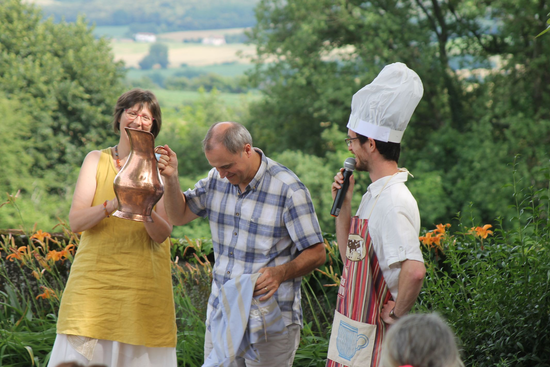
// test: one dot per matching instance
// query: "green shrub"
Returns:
(494, 288)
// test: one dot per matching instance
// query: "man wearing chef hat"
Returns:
(384, 268)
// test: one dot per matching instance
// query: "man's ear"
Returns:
(371, 144)
(248, 150)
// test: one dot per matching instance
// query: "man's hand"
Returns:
(269, 281)
(339, 181)
(168, 161)
(385, 315)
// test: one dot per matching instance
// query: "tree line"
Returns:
(157, 16)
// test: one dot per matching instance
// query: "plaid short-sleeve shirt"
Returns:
(266, 225)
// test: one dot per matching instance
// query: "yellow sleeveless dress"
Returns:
(120, 284)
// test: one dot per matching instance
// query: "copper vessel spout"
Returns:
(138, 186)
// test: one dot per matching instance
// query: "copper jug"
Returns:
(138, 186)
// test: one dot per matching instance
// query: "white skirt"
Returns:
(112, 354)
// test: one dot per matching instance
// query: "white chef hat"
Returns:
(382, 109)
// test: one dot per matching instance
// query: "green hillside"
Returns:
(156, 16)
(177, 98)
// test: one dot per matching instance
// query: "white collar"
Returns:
(376, 187)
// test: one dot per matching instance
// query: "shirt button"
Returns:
(231, 253)
(228, 272)
(237, 214)
(235, 233)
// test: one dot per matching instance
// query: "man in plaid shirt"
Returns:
(262, 220)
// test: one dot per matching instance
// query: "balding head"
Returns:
(232, 135)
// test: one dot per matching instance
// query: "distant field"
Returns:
(224, 60)
(192, 35)
(170, 98)
(122, 32)
(233, 69)
(192, 54)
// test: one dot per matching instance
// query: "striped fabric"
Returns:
(363, 291)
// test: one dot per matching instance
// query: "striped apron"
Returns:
(361, 296)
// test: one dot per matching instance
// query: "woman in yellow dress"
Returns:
(117, 308)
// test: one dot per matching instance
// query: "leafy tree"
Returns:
(14, 143)
(121, 17)
(323, 52)
(147, 62)
(485, 88)
(511, 113)
(158, 54)
(66, 82)
(28, 192)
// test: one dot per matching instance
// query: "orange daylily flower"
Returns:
(437, 240)
(441, 228)
(60, 255)
(427, 239)
(433, 238)
(39, 235)
(48, 293)
(482, 232)
(70, 249)
(17, 253)
(54, 255)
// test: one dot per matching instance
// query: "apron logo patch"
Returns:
(356, 249)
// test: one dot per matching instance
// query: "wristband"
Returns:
(393, 315)
(105, 209)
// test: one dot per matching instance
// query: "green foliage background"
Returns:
(486, 99)
(485, 114)
(58, 85)
(486, 88)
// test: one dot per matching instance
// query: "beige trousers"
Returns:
(278, 351)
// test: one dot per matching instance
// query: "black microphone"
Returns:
(349, 167)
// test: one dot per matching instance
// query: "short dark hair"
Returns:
(234, 138)
(390, 151)
(141, 97)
